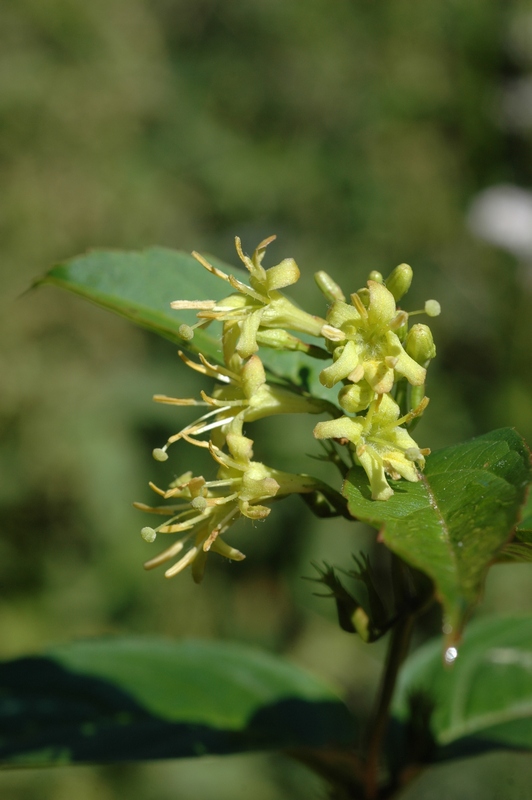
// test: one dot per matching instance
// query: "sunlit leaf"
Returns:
(141, 698)
(455, 520)
(140, 286)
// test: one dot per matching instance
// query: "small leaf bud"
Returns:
(148, 534)
(432, 308)
(160, 454)
(399, 280)
(186, 332)
(328, 287)
(419, 344)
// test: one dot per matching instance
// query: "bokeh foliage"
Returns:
(358, 132)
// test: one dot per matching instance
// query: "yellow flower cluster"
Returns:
(379, 362)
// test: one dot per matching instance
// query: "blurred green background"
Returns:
(359, 131)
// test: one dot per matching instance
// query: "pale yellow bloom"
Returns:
(260, 305)
(368, 348)
(381, 446)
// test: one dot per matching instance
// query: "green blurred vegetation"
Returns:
(357, 131)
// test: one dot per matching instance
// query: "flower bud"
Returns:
(328, 287)
(376, 276)
(399, 280)
(356, 397)
(420, 345)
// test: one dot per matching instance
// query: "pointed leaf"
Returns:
(455, 520)
(140, 287)
(141, 698)
(484, 702)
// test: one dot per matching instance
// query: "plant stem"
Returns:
(397, 651)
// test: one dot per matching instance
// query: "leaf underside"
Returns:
(128, 699)
(455, 520)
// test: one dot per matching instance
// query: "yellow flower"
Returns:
(368, 348)
(382, 446)
(260, 305)
(243, 393)
(208, 508)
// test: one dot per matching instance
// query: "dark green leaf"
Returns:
(138, 698)
(484, 702)
(455, 520)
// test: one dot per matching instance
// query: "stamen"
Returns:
(219, 370)
(252, 265)
(195, 442)
(357, 374)
(359, 305)
(244, 289)
(167, 554)
(221, 547)
(177, 401)
(226, 521)
(181, 526)
(182, 305)
(332, 334)
(416, 412)
(400, 319)
(182, 563)
(209, 267)
(192, 428)
(223, 459)
(156, 489)
(212, 401)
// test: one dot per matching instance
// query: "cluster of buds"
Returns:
(378, 362)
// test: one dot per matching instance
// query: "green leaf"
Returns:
(455, 520)
(142, 698)
(140, 286)
(482, 703)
